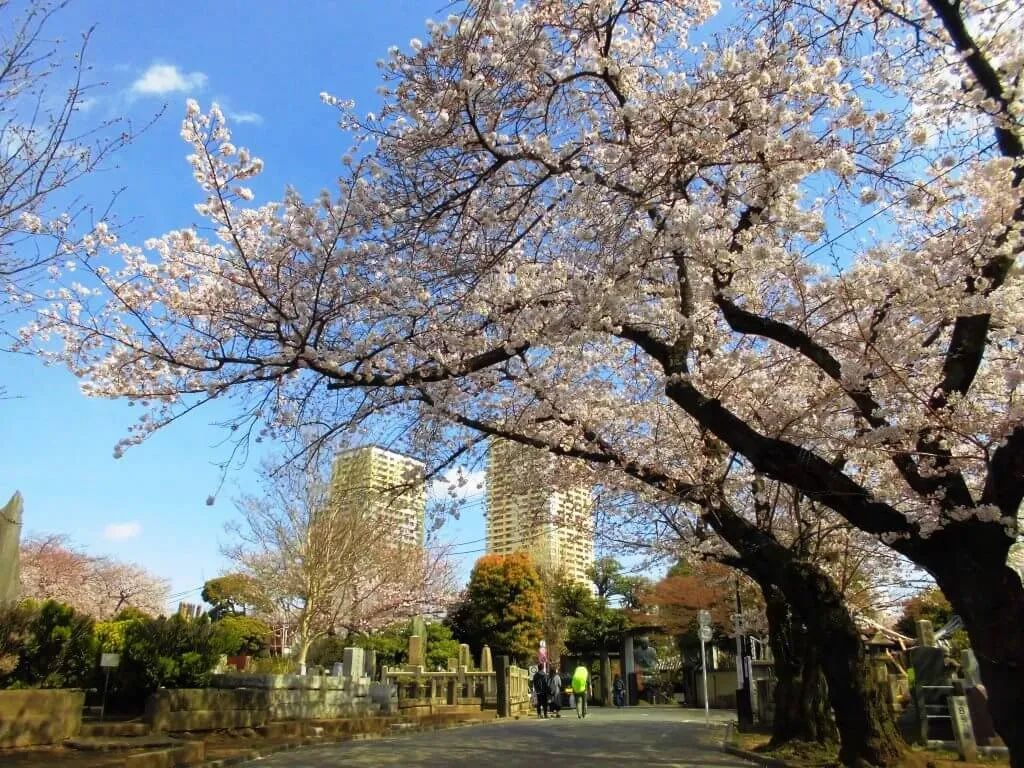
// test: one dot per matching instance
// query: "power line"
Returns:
(896, 202)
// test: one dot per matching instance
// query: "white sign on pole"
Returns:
(704, 670)
(705, 634)
(704, 618)
(110, 660)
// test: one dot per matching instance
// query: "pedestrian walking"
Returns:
(619, 692)
(580, 684)
(540, 690)
(555, 691)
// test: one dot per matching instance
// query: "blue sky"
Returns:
(266, 69)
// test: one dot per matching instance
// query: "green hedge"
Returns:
(46, 645)
(49, 645)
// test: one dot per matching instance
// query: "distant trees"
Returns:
(684, 591)
(53, 569)
(233, 594)
(392, 644)
(928, 604)
(322, 567)
(502, 606)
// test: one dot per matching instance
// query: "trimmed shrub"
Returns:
(242, 635)
(167, 653)
(110, 634)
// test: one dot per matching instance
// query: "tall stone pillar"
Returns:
(417, 655)
(10, 550)
(629, 671)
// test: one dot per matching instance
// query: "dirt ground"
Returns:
(59, 756)
(815, 758)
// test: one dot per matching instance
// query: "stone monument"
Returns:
(10, 550)
(417, 656)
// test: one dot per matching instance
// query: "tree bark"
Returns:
(867, 732)
(802, 710)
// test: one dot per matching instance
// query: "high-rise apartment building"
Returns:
(386, 484)
(554, 526)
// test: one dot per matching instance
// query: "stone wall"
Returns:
(35, 717)
(306, 697)
(249, 701)
(206, 709)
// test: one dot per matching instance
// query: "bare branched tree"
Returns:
(327, 566)
(47, 144)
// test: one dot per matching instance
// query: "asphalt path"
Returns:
(665, 737)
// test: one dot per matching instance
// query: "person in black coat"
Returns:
(540, 690)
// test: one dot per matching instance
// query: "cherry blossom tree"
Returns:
(53, 569)
(618, 230)
(325, 567)
(46, 146)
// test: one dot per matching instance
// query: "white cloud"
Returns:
(457, 484)
(122, 531)
(161, 79)
(245, 117)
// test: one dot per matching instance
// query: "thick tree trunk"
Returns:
(989, 598)
(802, 709)
(867, 732)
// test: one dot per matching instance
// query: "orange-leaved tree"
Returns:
(502, 606)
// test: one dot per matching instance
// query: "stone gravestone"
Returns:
(465, 657)
(418, 625)
(10, 550)
(370, 663)
(486, 664)
(969, 667)
(925, 633)
(354, 663)
(961, 715)
(977, 702)
(416, 651)
(931, 688)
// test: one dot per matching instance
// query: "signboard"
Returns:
(705, 634)
(704, 618)
(533, 670)
(110, 660)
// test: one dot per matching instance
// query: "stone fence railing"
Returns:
(420, 690)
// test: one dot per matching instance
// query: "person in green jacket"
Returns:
(580, 688)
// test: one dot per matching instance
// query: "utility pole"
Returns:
(744, 713)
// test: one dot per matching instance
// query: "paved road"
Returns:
(661, 737)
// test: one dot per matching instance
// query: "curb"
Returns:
(730, 749)
(258, 754)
